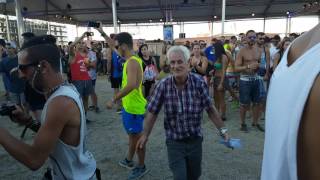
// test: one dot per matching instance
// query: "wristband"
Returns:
(223, 131)
(34, 125)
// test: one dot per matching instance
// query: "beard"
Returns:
(251, 43)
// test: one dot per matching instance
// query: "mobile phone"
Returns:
(93, 24)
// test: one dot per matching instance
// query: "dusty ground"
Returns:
(108, 142)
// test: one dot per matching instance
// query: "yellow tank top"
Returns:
(134, 102)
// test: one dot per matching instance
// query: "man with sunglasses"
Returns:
(134, 103)
(62, 128)
(247, 63)
(15, 84)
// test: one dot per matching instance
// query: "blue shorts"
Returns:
(262, 90)
(249, 92)
(133, 123)
(84, 87)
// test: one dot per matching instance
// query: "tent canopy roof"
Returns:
(137, 11)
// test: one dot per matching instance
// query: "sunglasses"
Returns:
(252, 37)
(23, 67)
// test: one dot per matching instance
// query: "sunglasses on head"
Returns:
(23, 67)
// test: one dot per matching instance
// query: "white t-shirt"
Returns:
(104, 53)
(273, 51)
(93, 71)
(288, 92)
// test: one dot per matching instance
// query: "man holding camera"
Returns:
(79, 65)
(61, 134)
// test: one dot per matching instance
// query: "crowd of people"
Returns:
(188, 79)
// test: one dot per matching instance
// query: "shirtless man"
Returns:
(292, 146)
(247, 63)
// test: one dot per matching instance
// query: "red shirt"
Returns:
(79, 70)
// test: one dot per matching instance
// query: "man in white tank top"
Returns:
(292, 146)
(61, 135)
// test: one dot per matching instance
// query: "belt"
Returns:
(249, 78)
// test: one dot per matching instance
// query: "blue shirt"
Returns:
(117, 65)
(211, 54)
(16, 85)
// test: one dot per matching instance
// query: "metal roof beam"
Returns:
(161, 9)
(106, 4)
(267, 7)
(55, 6)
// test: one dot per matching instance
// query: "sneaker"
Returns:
(244, 128)
(137, 173)
(126, 163)
(119, 111)
(97, 110)
(88, 121)
(91, 108)
(259, 127)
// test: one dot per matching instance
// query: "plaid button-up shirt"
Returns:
(182, 108)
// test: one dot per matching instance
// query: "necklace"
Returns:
(52, 90)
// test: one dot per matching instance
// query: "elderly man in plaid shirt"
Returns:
(184, 96)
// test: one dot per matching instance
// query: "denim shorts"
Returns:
(133, 123)
(262, 71)
(249, 92)
(84, 87)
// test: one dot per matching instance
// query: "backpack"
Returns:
(150, 73)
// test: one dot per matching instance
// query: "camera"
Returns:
(93, 24)
(89, 34)
(6, 110)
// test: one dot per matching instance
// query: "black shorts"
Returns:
(116, 82)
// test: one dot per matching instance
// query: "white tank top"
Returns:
(288, 93)
(69, 162)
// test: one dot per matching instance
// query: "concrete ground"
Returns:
(108, 142)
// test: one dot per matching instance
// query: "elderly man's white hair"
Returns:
(179, 49)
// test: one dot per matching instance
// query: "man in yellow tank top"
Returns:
(133, 103)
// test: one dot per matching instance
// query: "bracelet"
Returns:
(223, 131)
(34, 125)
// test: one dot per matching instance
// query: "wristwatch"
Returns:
(223, 131)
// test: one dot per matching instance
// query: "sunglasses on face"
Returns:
(252, 37)
(23, 67)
